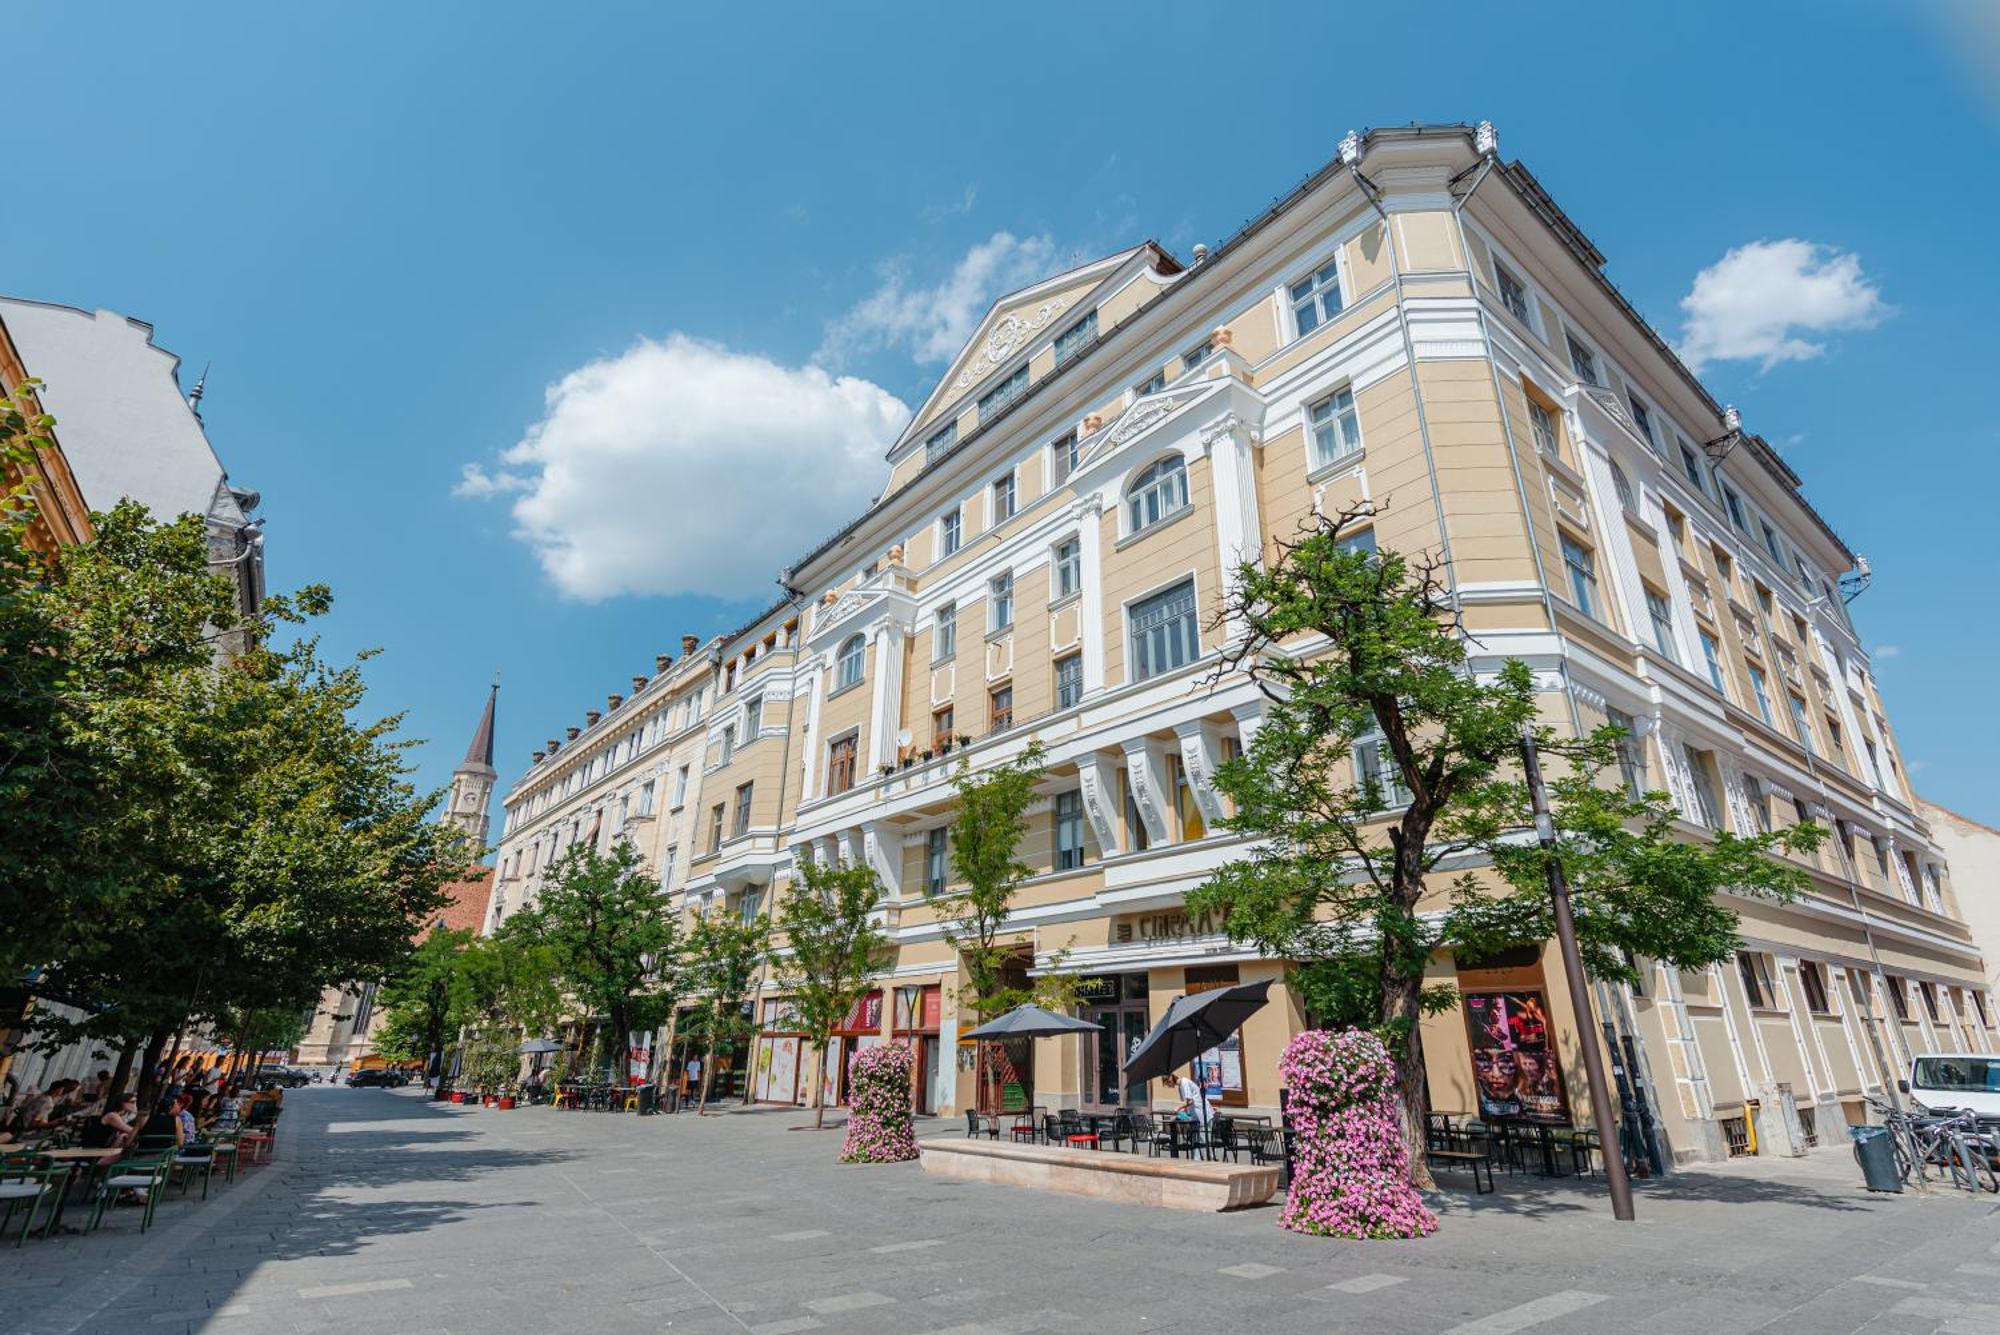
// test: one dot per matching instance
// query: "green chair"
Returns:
(197, 1157)
(148, 1176)
(30, 1187)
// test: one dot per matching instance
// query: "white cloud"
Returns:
(680, 467)
(932, 323)
(1887, 651)
(1760, 303)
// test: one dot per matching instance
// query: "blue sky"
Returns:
(393, 229)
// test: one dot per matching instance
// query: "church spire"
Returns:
(481, 750)
(473, 781)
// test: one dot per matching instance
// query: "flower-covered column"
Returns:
(879, 1128)
(1350, 1168)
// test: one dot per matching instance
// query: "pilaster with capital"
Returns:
(1146, 780)
(1097, 777)
(1089, 514)
(885, 716)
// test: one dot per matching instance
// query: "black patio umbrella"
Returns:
(1031, 1021)
(1193, 1025)
(535, 1046)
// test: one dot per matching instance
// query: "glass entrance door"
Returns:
(1120, 1030)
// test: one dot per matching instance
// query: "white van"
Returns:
(1956, 1080)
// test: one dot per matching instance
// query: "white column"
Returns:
(1148, 781)
(1238, 532)
(885, 718)
(1089, 512)
(845, 849)
(1198, 761)
(883, 848)
(811, 671)
(1097, 776)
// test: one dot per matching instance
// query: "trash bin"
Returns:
(1876, 1155)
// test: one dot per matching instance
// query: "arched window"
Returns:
(1158, 492)
(847, 671)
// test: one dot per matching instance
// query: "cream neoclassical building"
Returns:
(1417, 326)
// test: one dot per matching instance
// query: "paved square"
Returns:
(384, 1212)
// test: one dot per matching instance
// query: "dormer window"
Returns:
(940, 442)
(1076, 338)
(1002, 394)
(1316, 297)
(847, 668)
(1159, 492)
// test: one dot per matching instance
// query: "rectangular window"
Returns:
(1152, 384)
(1799, 722)
(753, 720)
(1581, 564)
(1756, 984)
(1513, 292)
(943, 727)
(667, 861)
(1186, 808)
(1644, 421)
(1069, 681)
(1000, 599)
(648, 794)
(1360, 544)
(1000, 708)
(1771, 542)
(944, 639)
(1002, 394)
(1758, 794)
(1076, 338)
(1711, 656)
(1069, 830)
(1544, 423)
(1928, 991)
(716, 815)
(1316, 297)
(1336, 430)
(1813, 983)
(1734, 504)
(681, 787)
(728, 743)
(1373, 764)
(1662, 616)
(1068, 568)
(1137, 837)
(1003, 498)
(1707, 809)
(840, 758)
(1760, 691)
(934, 860)
(1691, 468)
(951, 530)
(1063, 456)
(1196, 355)
(743, 792)
(1631, 751)
(1583, 362)
(1163, 632)
(1899, 996)
(940, 442)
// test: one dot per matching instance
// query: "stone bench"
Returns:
(1177, 1184)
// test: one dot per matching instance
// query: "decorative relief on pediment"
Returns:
(1008, 335)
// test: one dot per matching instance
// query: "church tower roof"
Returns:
(481, 750)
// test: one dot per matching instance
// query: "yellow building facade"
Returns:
(1417, 327)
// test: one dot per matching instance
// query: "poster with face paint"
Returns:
(1513, 1058)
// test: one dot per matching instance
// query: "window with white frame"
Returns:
(1316, 297)
(1002, 394)
(1152, 384)
(728, 743)
(1164, 632)
(940, 441)
(1360, 544)
(1159, 492)
(1800, 722)
(1336, 427)
(1069, 681)
(1544, 423)
(935, 864)
(1513, 293)
(1691, 468)
(1707, 808)
(1064, 453)
(1761, 692)
(1644, 421)
(1734, 504)
(1661, 613)
(1631, 751)
(1758, 794)
(647, 796)
(1581, 564)
(1376, 771)
(1583, 362)
(753, 719)
(1076, 338)
(681, 786)
(1196, 355)
(944, 636)
(1000, 602)
(1067, 559)
(1069, 830)
(951, 530)
(1003, 498)
(848, 665)
(1623, 486)
(1711, 657)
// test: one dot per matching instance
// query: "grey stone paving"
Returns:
(385, 1212)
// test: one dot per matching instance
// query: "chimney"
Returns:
(614, 699)
(689, 643)
(590, 717)
(638, 685)
(574, 731)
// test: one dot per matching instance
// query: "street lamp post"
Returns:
(1609, 1149)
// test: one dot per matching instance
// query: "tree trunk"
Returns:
(819, 1087)
(120, 1074)
(1402, 1008)
(708, 1058)
(156, 1045)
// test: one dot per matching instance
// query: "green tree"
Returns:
(1381, 754)
(614, 946)
(724, 952)
(834, 949)
(988, 821)
(417, 1000)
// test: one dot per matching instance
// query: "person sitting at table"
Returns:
(229, 1111)
(160, 1122)
(94, 1096)
(114, 1130)
(185, 1131)
(52, 1109)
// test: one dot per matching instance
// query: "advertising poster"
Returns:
(1514, 1058)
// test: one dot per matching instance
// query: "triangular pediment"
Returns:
(1016, 322)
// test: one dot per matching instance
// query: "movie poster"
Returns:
(1514, 1058)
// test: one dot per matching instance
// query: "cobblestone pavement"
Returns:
(385, 1212)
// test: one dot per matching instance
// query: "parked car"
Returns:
(1957, 1080)
(290, 1077)
(375, 1078)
